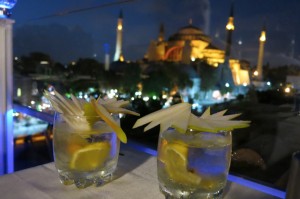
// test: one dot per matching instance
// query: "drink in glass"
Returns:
(84, 156)
(193, 165)
(194, 155)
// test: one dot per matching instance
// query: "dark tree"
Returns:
(89, 67)
(208, 76)
(36, 62)
(165, 76)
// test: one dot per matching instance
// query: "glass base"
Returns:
(178, 194)
(83, 181)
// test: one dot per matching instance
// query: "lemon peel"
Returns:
(79, 107)
(105, 115)
(172, 116)
(179, 116)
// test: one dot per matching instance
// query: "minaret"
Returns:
(106, 57)
(230, 29)
(292, 53)
(161, 35)
(262, 41)
(118, 53)
(225, 74)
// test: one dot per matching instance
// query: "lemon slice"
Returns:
(175, 159)
(75, 142)
(90, 157)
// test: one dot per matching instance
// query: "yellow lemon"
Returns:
(75, 142)
(176, 164)
(90, 157)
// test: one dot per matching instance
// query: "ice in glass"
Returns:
(193, 165)
(84, 157)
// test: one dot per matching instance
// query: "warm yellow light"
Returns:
(230, 25)
(44, 62)
(120, 27)
(193, 58)
(19, 92)
(287, 90)
(255, 73)
(121, 58)
(263, 37)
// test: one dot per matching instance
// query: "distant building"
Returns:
(188, 44)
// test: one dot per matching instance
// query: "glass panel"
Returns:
(32, 141)
(241, 57)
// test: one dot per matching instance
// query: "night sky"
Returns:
(56, 28)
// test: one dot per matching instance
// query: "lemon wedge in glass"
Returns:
(90, 157)
(174, 156)
(75, 142)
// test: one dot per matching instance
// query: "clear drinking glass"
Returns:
(84, 156)
(194, 165)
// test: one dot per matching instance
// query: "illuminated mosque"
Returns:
(190, 44)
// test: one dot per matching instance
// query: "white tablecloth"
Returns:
(135, 179)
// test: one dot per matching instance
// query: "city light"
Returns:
(146, 98)
(216, 94)
(44, 62)
(287, 90)
(19, 92)
(269, 83)
(255, 73)
(119, 27)
(230, 25)
(227, 85)
(262, 37)
(195, 106)
(138, 93)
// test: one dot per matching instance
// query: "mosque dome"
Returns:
(190, 32)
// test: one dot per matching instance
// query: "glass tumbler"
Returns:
(86, 150)
(193, 165)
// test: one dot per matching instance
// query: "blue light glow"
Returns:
(9, 142)
(7, 4)
(232, 178)
(141, 147)
(256, 186)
